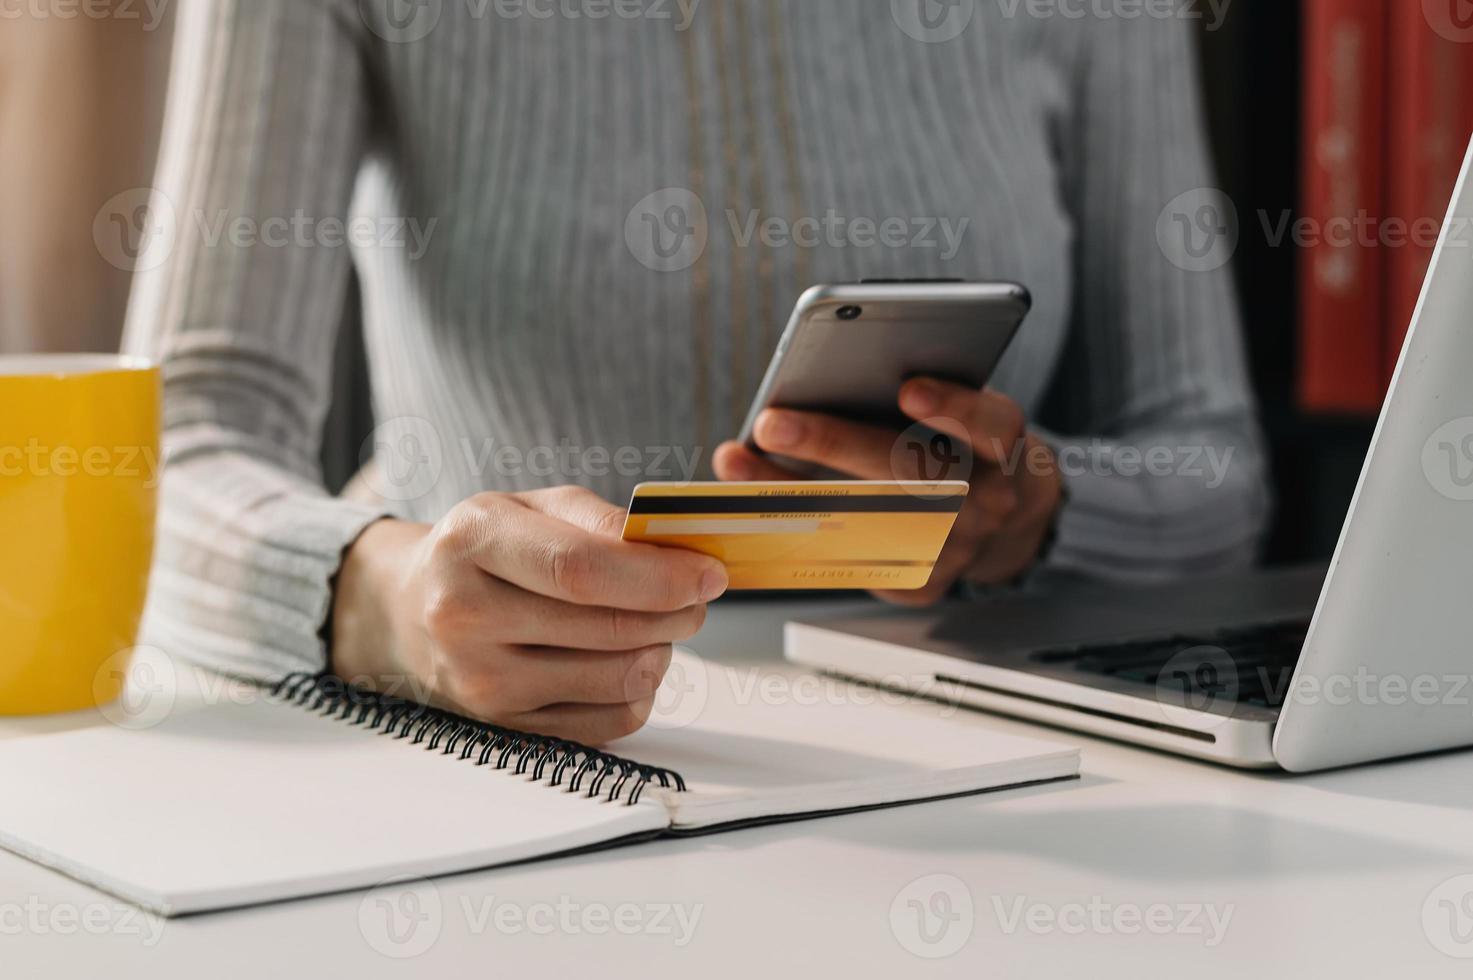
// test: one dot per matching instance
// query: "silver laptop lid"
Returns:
(1387, 664)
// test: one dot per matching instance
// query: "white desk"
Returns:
(1321, 876)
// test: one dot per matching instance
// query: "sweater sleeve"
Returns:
(1155, 426)
(240, 302)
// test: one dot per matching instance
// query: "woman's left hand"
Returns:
(1016, 487)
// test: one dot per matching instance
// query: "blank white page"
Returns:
(237, 804)
(766, 743)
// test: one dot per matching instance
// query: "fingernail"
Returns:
(921, 399)
(782, 429)
(713, 583)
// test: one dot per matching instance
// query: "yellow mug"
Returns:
(79, 475)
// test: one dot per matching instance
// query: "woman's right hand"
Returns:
(525, 610)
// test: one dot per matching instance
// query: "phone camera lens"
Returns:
(848, 313)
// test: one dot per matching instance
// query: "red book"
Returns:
(1341, 284)
(1430, 120)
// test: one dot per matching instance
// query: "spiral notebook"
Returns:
(300, 791)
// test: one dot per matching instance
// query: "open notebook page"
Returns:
(771, 742)
(236, 804)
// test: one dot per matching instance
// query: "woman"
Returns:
(569, 233)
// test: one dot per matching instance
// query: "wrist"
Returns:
(1027, 537)
(368, 630)
(1054, 491)
(1049, 493)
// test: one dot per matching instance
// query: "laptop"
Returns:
(1301, 668)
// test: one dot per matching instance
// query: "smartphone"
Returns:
(848, 348)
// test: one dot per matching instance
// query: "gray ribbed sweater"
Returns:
(527, 327)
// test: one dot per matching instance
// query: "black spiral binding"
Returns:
(546, 759)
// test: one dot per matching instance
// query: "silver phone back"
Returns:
(855, 367)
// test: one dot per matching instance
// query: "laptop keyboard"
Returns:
(1251, 665)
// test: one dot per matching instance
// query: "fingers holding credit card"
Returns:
(804, 535)
(960, 433)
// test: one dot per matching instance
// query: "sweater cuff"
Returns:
(249, 595)
(1124, 521)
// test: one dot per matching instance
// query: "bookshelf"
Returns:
(1251, 79)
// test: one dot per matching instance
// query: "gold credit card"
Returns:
(804, 535)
